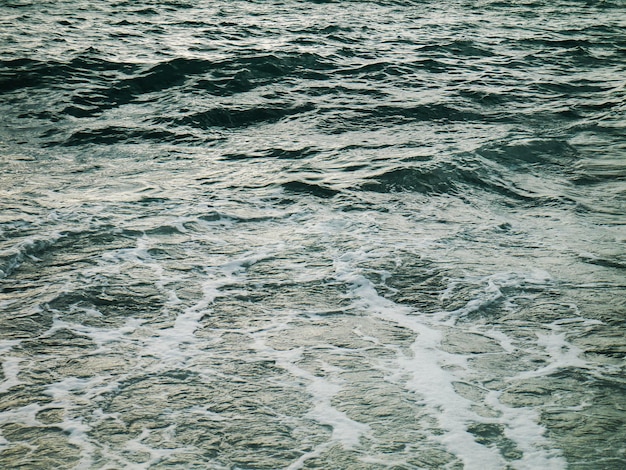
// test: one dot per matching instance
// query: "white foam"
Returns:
(505, 342)
(521, 426)
(431, 381)
(102, 337)
(167, 343)
(25, 249)
(491, 290)
(11, 368)
(432, 373)
(562, 354)
(63, 395)
(175, 346)
(372, 339)
(156, 455)
(26, 415)
(316, 452)
(322, 389)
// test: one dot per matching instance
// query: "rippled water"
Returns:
(313, 234)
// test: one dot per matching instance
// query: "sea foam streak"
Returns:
(433, 373)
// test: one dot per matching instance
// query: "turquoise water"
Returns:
(304, 234)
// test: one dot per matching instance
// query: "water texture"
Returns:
(313, 234)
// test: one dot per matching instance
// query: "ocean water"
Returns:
(294, 234)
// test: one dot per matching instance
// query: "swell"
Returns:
(225, 117)
(544, 153)
(100, 84)
(443, 178)
(31, 248)
(494, 169)
(114, 134)
(95, 85)
(87, 86)
(22, 73)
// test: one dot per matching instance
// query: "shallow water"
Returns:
(306, 234)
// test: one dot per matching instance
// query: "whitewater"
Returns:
(295, 234)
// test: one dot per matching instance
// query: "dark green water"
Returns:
(312, 235)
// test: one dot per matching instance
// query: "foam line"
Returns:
(156, 455)
(431, 377)
(62, 394)
(26, 415)
(520, 425)
(100, 336)
(11, 368)
(430, 381)
(13, 257)
(322, 389)
(345, 430)
(316, 452)
(562, 354)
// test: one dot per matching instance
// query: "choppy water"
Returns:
(307, 234)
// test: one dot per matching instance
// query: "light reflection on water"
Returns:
(373, 235)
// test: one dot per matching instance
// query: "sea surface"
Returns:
(293, 234)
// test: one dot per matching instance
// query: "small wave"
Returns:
(28, 73)
(310, 189)
(606, 262)
(31, 248)
(596, 172)
(283, 154)
(113, 134)
(16, 74)
(573, 88)
(225, 117)
(438, 178)
(106, 91)
(488, 98)
(457, 48)
(345, 120)
(215, 216)
(421, 180)
(163, 75)
(273, 66)
(531, 152)
(157, 78)
(456, 178)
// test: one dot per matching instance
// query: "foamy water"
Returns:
(297, 235)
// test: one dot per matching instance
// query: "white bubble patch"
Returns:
(432, 372)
